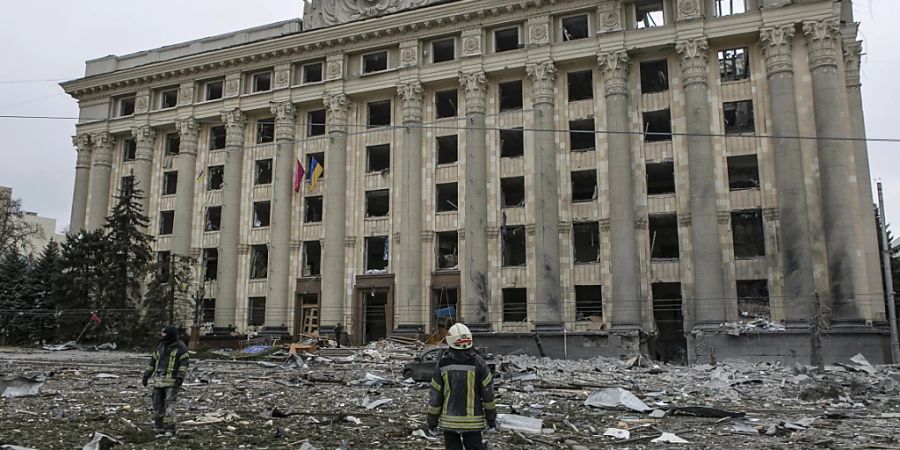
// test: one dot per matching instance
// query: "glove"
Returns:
(144, 380)
(179, 382)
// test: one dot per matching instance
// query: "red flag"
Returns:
(95, 318)
(298, 176)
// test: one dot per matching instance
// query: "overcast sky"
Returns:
(43, 42)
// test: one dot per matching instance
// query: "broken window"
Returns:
(377, 253)
(215, 177)
(734, 64)
(312, 73)
(445, 103)
(739, 117)
(589, 302)
(261, 81)
(515, 305)
(575, 27)
(259, 261)
(447, 250)
(654, 76)
(378, 203)
(729, 7)
(443, 50)
(660, 178)
(584, 186)
(649, 14)
(510, 95)
(313, 211)
(213, 90)
(129, 149)
(217, 137)
(126, 106)
(743, 172)
(168, 98)
(513, 237)
(447, 197)
(658, 126)
(581, 85)
(166, 222)
(213, 218)
(315, 125)
(663, 230)
(208, 310)
(173, 144)
(126, 185)
(261, 213)
(163, 261)
(210, 264)
(753, 299)
(170, 182)
(447, 149)
(378, 158)
(581, 135)
(586, 242)
(265, 130)
(263, 172)
(256, 311)
(512, 192)
(312, 258)
(375, 62)
(379, 113)
(512, 143)
(747, 233)
(506, 39)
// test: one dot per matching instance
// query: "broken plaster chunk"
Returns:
(515, 422)
(613, 397)
(353, 420)
(670, 438)
(657, 414)
(617, 433)
(307, 446)
(100, 441)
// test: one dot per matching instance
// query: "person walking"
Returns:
(167, 368)
(338, 333)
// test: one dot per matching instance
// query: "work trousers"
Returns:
(470, 440)
(164, 408)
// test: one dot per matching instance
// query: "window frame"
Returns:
(121, 102)
(253, 81)
(303, 72)
(635, 23)
(432, 52)
(206, 89)
(362, 62)
(161, 95)
(519, 44)
(562, 28)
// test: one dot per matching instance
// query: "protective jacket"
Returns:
(169, 363)
(462, 393)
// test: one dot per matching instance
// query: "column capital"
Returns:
(103, 145)
(852, 52)
(411, 96)
(187, 128)
(694, 64)
(143, 135)
(82, 143)
(543, 76)
(336, 108)
(285, 118)
(614, 65)
(235, 120)
(475, 86)
(822, 40)
(775, 43)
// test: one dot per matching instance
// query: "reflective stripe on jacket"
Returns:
(462, 392)
(168, 363)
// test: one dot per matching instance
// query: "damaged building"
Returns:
(605, 176)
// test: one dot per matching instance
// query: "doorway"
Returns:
(306, 317)
(374, 304)
(444, 309)
(669, 345)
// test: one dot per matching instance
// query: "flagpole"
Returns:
(83, 330)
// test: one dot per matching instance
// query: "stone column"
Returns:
(229, 234)
(823, 39)
(331, 304)
(144, 137)
(626, 275)
(546, 197)
(279, 272)
(796, 252)
(408, 301)
(103, 149)
(82, 143)
(874, 289)
(186, 162)
(476, 294)
(709, 288)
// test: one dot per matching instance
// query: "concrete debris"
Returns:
(13, 386)
(657, 414)
(100, 441)
(522, 424)
(15, 447)
(670, 438)
(617, 433)
(376, 403)
(719, 379)
(353, 420)
(72, 345)
(307, 446)
(613, 397)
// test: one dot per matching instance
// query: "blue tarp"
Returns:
(253, 349)
(449, 311)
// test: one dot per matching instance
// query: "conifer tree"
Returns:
(43, 292)
(13, 307)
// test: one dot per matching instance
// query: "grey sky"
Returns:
(50, 40)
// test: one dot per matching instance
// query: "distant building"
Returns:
(45, 225)
(588, 170)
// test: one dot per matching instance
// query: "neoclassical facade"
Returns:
(605, 176)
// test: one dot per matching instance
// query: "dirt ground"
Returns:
(229, 404)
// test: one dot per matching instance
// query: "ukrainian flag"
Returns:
(315, 172)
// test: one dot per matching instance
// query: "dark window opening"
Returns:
(312, 258)
(379, 113)
(734, 64)
(315, 123)
(261, 214)
(753, 299)
(129, 149)
(445, 103)
(213, 218)
(312, 73)
(663, 236)
(658, 126)
(210, 264)
(215, 177)
(581, 135)
(442, 50)
(263, 172)
(256, 311)
(510, 95)
(173, 144)
(259, 261)
(163, 261)
(214, 90)
(512, 143)
(513, 245)
(208, 310)
(313, 211)
(378, 158)
(743, 172)
(649, 14)
(168, 99)
(661, 178)
(166, 222)
(581, 85)
(170, 182)
(584, 186)
(378, 203)
(375, 62)
(126, 106)
(729, 7)
(589, 302)
(217, 138)
(739, 117)
(126, 186)
(447, 250)
(586, 242)
(747, 233)
(506, 39)
(320, 160)
(654, 76)
(447, 149)
(512, 192)
(669, 344)
(575, 27)
(377, 253)
(515, 304)
(446, 197)
(265, 130)
(262, 81)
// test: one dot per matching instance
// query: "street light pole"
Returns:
(888, 281)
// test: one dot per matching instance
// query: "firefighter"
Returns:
(461, 402)
(168, 366)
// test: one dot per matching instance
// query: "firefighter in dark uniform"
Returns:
(168, 366)
(461, 402)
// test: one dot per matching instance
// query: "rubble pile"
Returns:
(358, 398)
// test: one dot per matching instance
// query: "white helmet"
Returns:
(459, 337)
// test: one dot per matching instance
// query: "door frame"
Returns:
(364, 284)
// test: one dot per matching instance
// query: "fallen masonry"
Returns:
(358, 398)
